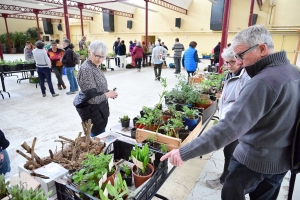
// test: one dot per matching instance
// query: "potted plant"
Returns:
(93, 169)
(118, 191)
(134, 120)
(169, 129)
(164, 92)
(169, 113)
(29, 64)
(10, 66)
(125, 120)
(126, 174)
(133, 133)
(141, 170)
(19, 193)
(19, 64)
(190, 118)
(203, 102)
(141, 123)
(3, 186)
(183, 132)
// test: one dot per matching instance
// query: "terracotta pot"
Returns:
(111, 178)
(139, 180)
(166, 117)
(201, 105)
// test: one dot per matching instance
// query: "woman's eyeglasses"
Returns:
(99, 57)
(231, 63)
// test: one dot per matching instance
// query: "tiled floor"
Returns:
(27, 115)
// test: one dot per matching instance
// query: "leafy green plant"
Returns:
(3, 186)
(32, 34)
(116, 191)
(141, 155)
(111, 54)
(169, 129)
(163, 148)
(164, 84)
(151, 139)
(124, 118)
(20, 193)
(189, 113)
(94, 167)
(126, 169)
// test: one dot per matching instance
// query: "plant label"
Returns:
(106, 191)
(152, 157)
(100, 183)
(104, 177)
(139, 164)
(111, 164)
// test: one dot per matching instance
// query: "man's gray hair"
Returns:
(66, 41)
(228, 54)
(98, 47)
(253, 35)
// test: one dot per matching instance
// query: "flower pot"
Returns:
(125, 124)
(191, 123)
(19, 67)
(203, 105)
(166, 117)
(135, 120)
(6, 68)
(111, 178)
(183, 134)
(142, 113)
(127, 179)
(133, 133)
(139, 180)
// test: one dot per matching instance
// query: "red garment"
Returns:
(138, 52)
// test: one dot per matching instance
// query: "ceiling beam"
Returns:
(42, 12)
(92, 7)
(259, 3)
(169, 6)
(16, 16)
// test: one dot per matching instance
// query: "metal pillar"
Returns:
(8, 36)
(251, 13)
(66, 15)
(1, 52)
(226, 15)
(36, 12)
(146, 22)
(80, 6)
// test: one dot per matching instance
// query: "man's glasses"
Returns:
(240, 55)
(231, 63)
(99, 57)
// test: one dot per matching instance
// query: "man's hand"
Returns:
(175, 158)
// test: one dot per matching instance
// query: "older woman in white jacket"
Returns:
(234, 82)
(43, 66)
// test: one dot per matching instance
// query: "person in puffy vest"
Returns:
(190, 59)
(4, 158)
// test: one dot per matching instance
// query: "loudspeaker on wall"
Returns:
(178, 22)
(129, 24)
(48, 28)
(254, 19)
(108, 22)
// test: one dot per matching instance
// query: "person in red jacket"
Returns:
(138, 51)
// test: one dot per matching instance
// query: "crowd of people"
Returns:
(53, 57)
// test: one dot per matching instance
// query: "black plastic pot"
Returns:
(168, 101)
(6, 68)
(135, 120)
(212, 97)
(183, 134)
(133, 133)
(125, 124)
(128, 180)
(1, 68)
(19, 67)
(13, 68)
(142, 113)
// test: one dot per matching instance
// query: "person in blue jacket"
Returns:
(190, 59)
(4, 158)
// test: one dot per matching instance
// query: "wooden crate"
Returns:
(171, 142)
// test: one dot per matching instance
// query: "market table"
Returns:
(207, 115)
(3, 86)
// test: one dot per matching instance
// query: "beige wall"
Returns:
(194, 26)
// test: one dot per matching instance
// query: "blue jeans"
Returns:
(242, 181)
(45, 72)
(5, 165)
(71, 78)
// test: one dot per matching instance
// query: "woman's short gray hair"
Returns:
(98, 47)
(138, 44)
(228, 54)
(66, 41)
(39, 44)
(253, 35)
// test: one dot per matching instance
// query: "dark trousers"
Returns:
(138, 62)
(228, 152)
(177, 64)
(117, 61)
(58, 71)
(150, 60)
(157, 73)
(242, 181)
(144, 59)
(45, 73)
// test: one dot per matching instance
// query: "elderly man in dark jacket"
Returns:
(261, 119)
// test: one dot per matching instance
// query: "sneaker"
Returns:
(69, 93)
(55, 95)
(44, 95)
(64, 86)
(213, 184)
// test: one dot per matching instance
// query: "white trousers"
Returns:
(122, 61)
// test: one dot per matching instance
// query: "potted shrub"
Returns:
(203, 102)
(190, 118)
(169, 113)
(125, 121)
(141, 170)
(118, 191)
(126, 174)
(3, 186)
(169, 129)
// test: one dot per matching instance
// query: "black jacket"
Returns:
(4, 143)
(116, 44)
(68, 57)
(121, 50)
(98, 113)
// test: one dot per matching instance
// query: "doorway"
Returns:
(151, 38)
